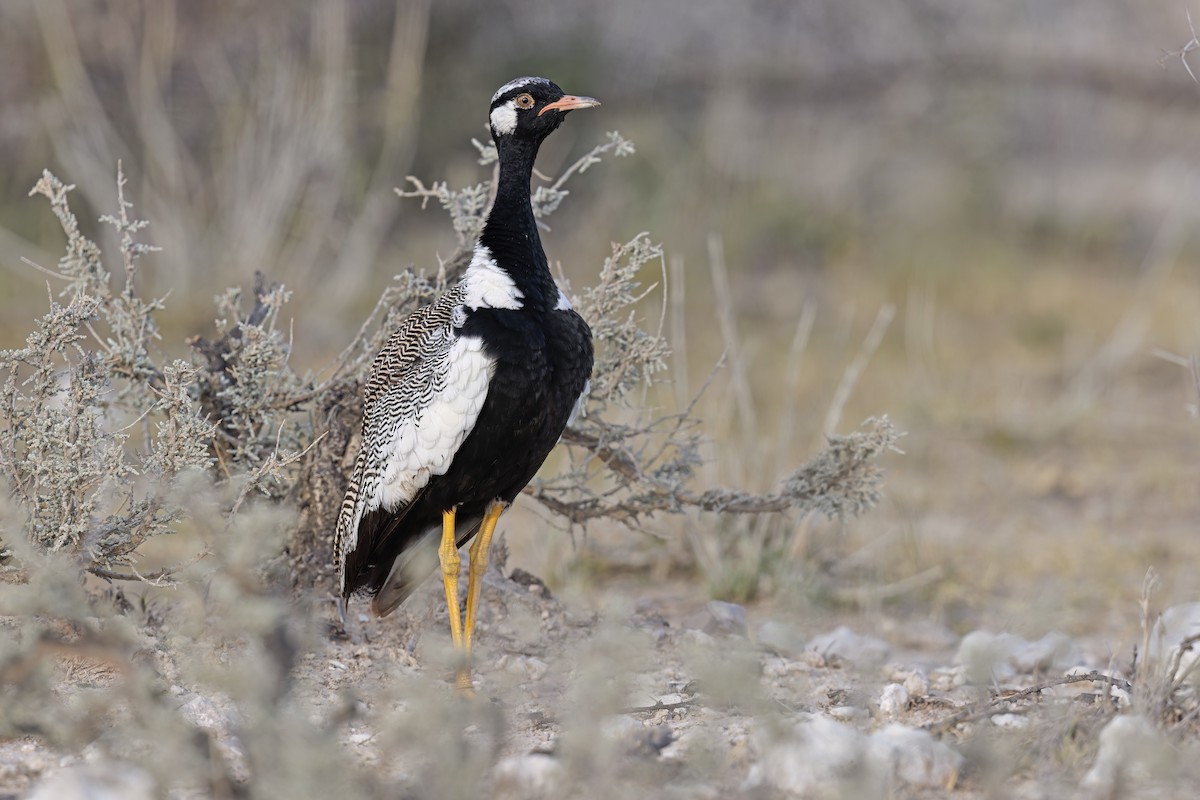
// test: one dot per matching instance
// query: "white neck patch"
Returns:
(488, 286)
(504, 118)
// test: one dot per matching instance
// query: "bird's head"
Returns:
(530, 108)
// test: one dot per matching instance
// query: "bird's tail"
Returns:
(416, 562)
(345, 537)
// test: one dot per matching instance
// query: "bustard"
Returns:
(469, 394)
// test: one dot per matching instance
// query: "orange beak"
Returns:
(570, 101)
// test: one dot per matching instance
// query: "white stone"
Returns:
(815, 757)
(719, 618)
(914, 757)
(917, 684)
(987, 656)
(1010, 721)
(984, 656)
(1052, 650)
(894, 700)
(99, 780)
(780, 638)
(820, 757)
(526, 667)
(1132, 751)
(848, 713)
(533, 775)
(844, 643)
(1173, 626)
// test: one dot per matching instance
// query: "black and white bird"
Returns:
(469, 394)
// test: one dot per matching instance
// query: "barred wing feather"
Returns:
(424, 395)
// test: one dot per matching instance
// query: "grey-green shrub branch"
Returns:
(841, 481)
(99, 431)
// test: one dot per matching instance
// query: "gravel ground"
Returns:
(668, 693)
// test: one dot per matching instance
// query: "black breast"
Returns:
(542, 362)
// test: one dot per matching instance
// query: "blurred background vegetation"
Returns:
(1005, 191)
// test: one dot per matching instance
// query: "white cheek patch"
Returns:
(488, 286)
(504, 118)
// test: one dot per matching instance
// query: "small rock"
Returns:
(984, 656)
(534, 775)
(913, 679)
(914, 757)
(98, 780)
(718, 618)
(820, 757)
(361, 737)
(1053, 649)
(782, 667)
(1010, 721)
(917, 684)
(653, 741)
(533, 583)
(894, 700)
(918, 634)
(814, 758)
(525, 667)
(1132, 752)
(844, 643)
(699, 637)
(203, 713)
(1173, 626)
(847, 713)
(780, 638)
(988, 657)
(944, 679)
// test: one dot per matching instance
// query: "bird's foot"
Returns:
(463, 684)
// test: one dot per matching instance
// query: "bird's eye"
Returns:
(524, 101)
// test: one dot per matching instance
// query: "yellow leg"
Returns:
(450, 560)
(477, 567)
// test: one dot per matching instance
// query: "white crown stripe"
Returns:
(517, 84)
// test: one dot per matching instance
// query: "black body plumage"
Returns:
(506, 334)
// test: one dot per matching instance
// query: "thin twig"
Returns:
(975, 711)
(850, 377)
(659, 706)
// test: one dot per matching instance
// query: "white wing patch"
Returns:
(424, 444)
(488, 286)
(564, 302)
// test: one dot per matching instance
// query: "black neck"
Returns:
(510, 232)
